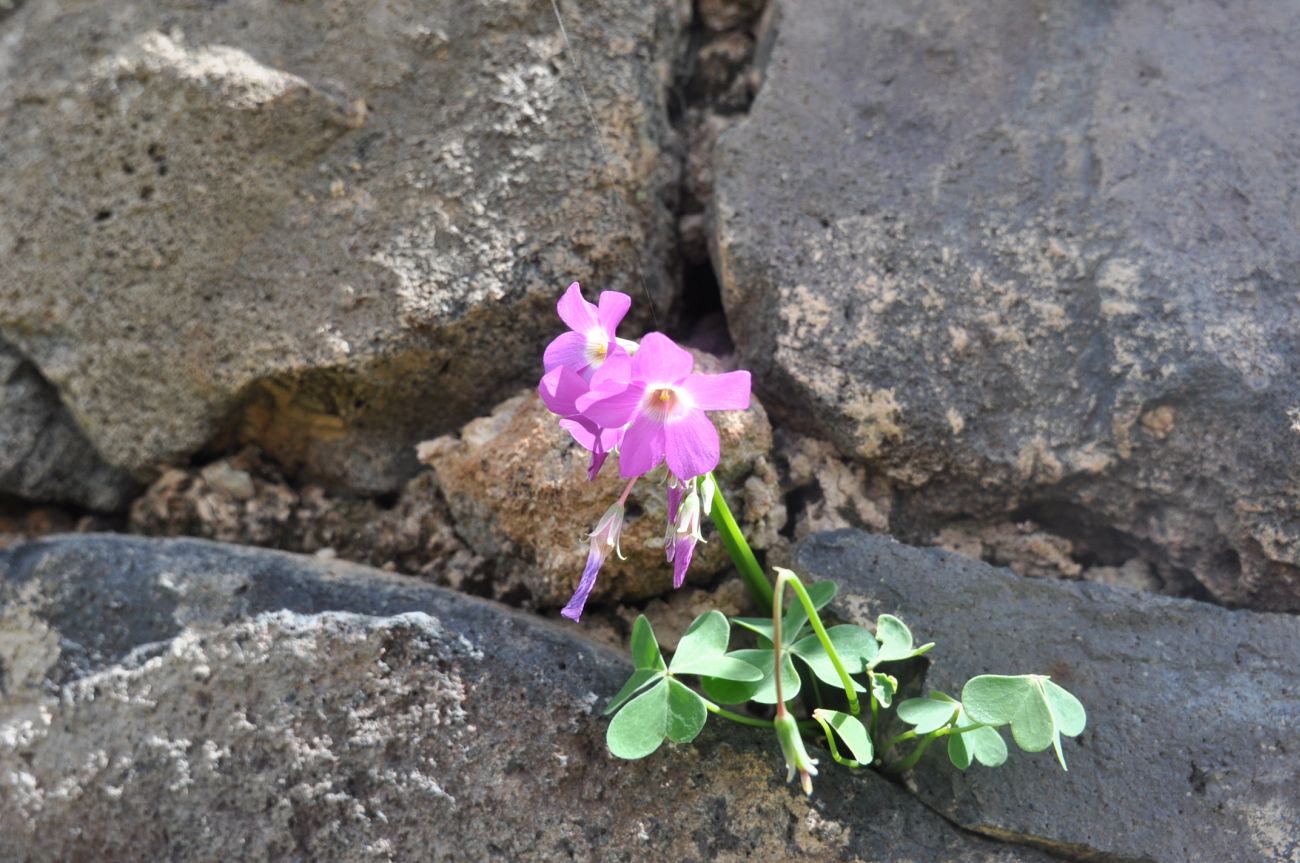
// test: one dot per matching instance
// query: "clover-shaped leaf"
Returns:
(895, 641)
(856, 647)
(646, 657)
(667, 709)
(821, 593)
(703, 651)
(645, 648)
(1037, 710)
(795, 617)
(883, 687)
(930, 713)
(639, 678)
(981, 743)
(850, 730)
(763, 691)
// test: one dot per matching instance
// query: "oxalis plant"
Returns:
(644, 402)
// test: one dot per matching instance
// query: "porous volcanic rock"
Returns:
(189, 701)
(325, 228)
(1189, 753)
(43, 454)
(516, 485)
(1040, 262)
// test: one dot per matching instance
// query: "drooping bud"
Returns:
(796, 757)
(708, 488)
(684, 535)
(604, 539)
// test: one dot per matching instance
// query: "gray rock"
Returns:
(185, 700)
(1038, 261)
(1189, 753)
(43, 455)
(321, 229)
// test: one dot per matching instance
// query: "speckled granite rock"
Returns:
(1189, 754)
(320, 227)
(1039, 261)
(189, 701)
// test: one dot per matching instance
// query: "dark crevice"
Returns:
(715, 82)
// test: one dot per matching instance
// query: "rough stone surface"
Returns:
(1189, 754)
(43, 455)
(516, 485)
(1039, 261)
(324, 228)
(184, 700)
(245, 499)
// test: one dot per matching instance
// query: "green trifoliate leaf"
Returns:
(702, 650)
(641, 725)
(686, 713)
(1037, 710)
(760, 626)
(930, 713)
(794, 624)
(762, 691)
(854, 645)
(796, 615)
(645, 649)
(895, 641)
(851, 731)
(667, 709)
(982, 743)
(883, 687)
(639, 678)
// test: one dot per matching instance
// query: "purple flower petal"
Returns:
(614, 410)
(613, 374)
(560, 389)
(575, 311)
(612, 306)
(597, 459)
(675, 493)
(567, 349)
(684, 550)
(692, 445)
(573, 610)
(661, 360)
(729, 392)
(642, 447)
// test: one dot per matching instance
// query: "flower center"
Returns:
(665, 402)
(597, 347)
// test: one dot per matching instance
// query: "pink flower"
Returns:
(661, 408)
(560, 388)
(591, 338)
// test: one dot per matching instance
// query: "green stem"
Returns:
(902, 738)
(785, 577)
(915, 755)
(737, 717)
(741, 554)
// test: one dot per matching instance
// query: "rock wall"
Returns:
(329, 229)
(1036, 262)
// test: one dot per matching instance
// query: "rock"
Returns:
(516, 485)
(1026, 263)
(1189, 751)
(44, 456)
(245, 499)
(189, 701)
(313, 228)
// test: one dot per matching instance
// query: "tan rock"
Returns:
(517, 488)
